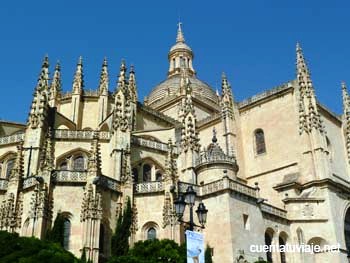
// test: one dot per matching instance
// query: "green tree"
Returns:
(153, 251)
(56, 234)
(15, 249)
(120, 239)
(207, 255)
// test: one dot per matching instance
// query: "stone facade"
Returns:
(272, 169)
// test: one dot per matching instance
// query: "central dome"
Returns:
(180, 67)
(170, 88)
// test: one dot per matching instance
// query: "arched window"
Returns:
(135, 174)
(151, 233)
(260, 146)
(147, 173)
(79, 164)
(1, 170)
(282, 254)
(9, 167)
(66, 233)
(268, 242)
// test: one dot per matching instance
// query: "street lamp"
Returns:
(189, 199)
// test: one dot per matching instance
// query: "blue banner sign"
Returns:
(195, 247)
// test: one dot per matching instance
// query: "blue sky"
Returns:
(252, 41)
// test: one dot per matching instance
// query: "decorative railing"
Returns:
(80, 135)
(149, 187)
(91, 93)
(264, 94)
(227, 184)
(29, 182)
(15, 138)
(66, 95)
(212, 187)
(151, 144)
(242, 188)
(109, 183)
(214, 158)
(273, 210)
(3, 184)
(69, 176)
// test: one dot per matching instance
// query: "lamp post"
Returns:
(189, 199)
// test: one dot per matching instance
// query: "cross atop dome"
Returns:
(180, 36)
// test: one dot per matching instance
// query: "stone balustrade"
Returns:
(152, 144)
(272, 210)
(15, 138)
(29, 182)
(3, 184)
(109, 183)
(80, 135)
(237, 187)
(203, 159)
(243, 189)
(69, 176)
(149, 187)
(264, 94)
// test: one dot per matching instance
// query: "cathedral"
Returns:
(271, 170)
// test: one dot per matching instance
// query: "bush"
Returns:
(153, 251)
(15, 249)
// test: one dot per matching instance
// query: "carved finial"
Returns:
(227, 97)
(214, 139)
(104, 79)
(122, 75)
(346, 99)
(78, 82)
(43, 80)
(132, 84)
(180, 37)
(56, 84)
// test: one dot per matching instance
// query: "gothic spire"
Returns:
(227, 97)
(56, 84)
(122, 76)
(78, 82)
(303, 74)
(346, 99)
(43, 80)
(38, 111)
(132, 84)
(309, 117)
(346, 117)
(103, 85)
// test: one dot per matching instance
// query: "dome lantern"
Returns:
(180, 56)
